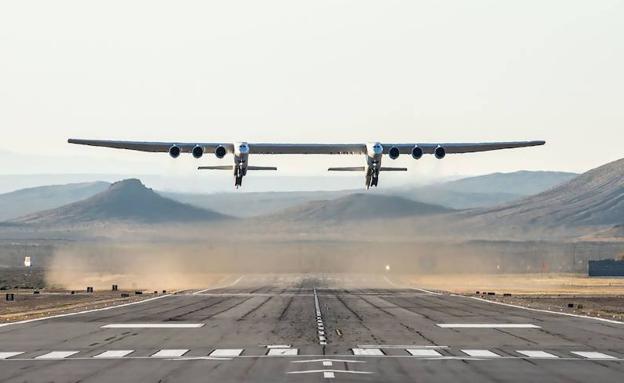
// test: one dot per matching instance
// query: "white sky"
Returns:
(313, 71)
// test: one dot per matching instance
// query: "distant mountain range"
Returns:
(595, 198)
(125, 201)
(472, 192)
(487, 190)
(481, 191)
(358, 206)
(32, 200)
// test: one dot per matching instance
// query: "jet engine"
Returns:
(174, 151)
(417, 153)
(394, 152)
(440, 152)
(220, 151)
(198, 151)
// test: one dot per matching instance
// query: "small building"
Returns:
(606, 268)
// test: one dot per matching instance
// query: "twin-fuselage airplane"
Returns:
(374, 152)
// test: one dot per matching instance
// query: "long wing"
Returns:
(463, 147)
(268, 148)
(150, 146)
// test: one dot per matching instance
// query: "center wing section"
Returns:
(263, 148)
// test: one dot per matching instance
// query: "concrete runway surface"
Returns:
(310, 328)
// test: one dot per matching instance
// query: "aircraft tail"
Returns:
(383, 169)
(223, 167)
(348, 169)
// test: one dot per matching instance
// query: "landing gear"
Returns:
(239, 173)
(372, 177)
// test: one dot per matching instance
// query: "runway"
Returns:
(310, 328)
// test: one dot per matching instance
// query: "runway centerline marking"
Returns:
(593, 355)
(154, 325)
(486, 325)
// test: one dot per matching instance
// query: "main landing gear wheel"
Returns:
(238, 182)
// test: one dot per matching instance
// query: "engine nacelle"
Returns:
(220, 151)
(394, 153)
(440, 152)
(417, 153)
(198, 151)
(175, 151)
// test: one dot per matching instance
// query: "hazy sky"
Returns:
(313, 71)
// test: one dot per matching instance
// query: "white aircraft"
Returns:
(241, 150)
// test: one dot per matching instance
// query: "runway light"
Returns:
(387, 267)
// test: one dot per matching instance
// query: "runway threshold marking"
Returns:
(334, 371)
(367, 352)
(170, 353)
(154, 325)
(114, 354)
(537, 354)
(480, 353)
(226, 352)
(423, 353)
(283, 352)
(592, 355)
(5, 355)
(57, 355)
(486, 325)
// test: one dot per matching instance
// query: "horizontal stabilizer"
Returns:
(383, 169)
(261, 168)
(348, 169)
(223, 167)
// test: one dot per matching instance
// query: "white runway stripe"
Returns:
(57, 355)
(169, 353)
(328, 375)
(424, 353)
(367, 352)
(487, 325)
(593, 355)
(537, 354)
(283, 352)
(154, 325)
(227, 352)
(6, 355)
(114, 354)
(480, 353)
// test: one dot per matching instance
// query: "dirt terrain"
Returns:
(570, 293)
